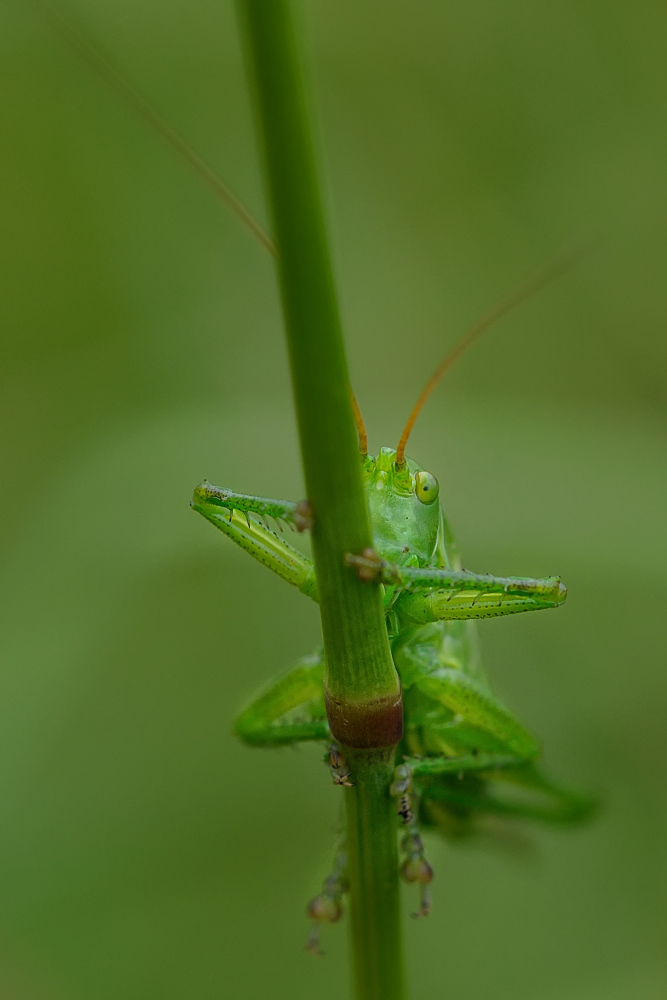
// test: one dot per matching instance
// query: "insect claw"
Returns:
(247, 517)
(337, 766)
(371, 567)
(341, 779)
(303, 516)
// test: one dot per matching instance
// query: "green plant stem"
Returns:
(374, 890)
(362, 689)
(361, 684)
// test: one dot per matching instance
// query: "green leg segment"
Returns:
(549, 806)
(430, 594)
(476, 705)
(448, 605)
(550, 589)
(236, 515)
(295, 515)
(290, 710)
(559, 804)
(426, 767)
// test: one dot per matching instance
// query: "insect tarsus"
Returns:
(338, 766)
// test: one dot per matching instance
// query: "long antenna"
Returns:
(176, 142)
(361, 427)
(533, 284)
(172, 137)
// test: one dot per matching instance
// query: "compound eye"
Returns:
(426, 487)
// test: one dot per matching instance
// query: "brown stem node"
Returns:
(366, 725)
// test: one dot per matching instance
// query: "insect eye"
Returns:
(426, 487)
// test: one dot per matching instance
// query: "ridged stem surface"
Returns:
(361, 685)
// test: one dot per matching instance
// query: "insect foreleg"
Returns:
(236, 515)
(290, 710)
(458, 593)
(295, 514)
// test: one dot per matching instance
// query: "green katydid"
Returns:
(464, 756)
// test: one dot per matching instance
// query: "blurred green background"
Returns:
(143, 852)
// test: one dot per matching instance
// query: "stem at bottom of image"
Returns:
(374, 908)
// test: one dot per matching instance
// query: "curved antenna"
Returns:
(523, 291)
(361, 427)
(177, 143)
(152, 117)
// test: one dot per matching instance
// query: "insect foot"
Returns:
(415, 868)
(371, 567)
(303, 516)
(328, 906)
(339, 770)
(400, 788)
(368, 565)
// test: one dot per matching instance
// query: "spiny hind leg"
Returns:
(551, 802)
(289, 710)
(477, 709)
(507, 765)
(514, 793)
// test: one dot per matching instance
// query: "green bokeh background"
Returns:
(143, 852)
